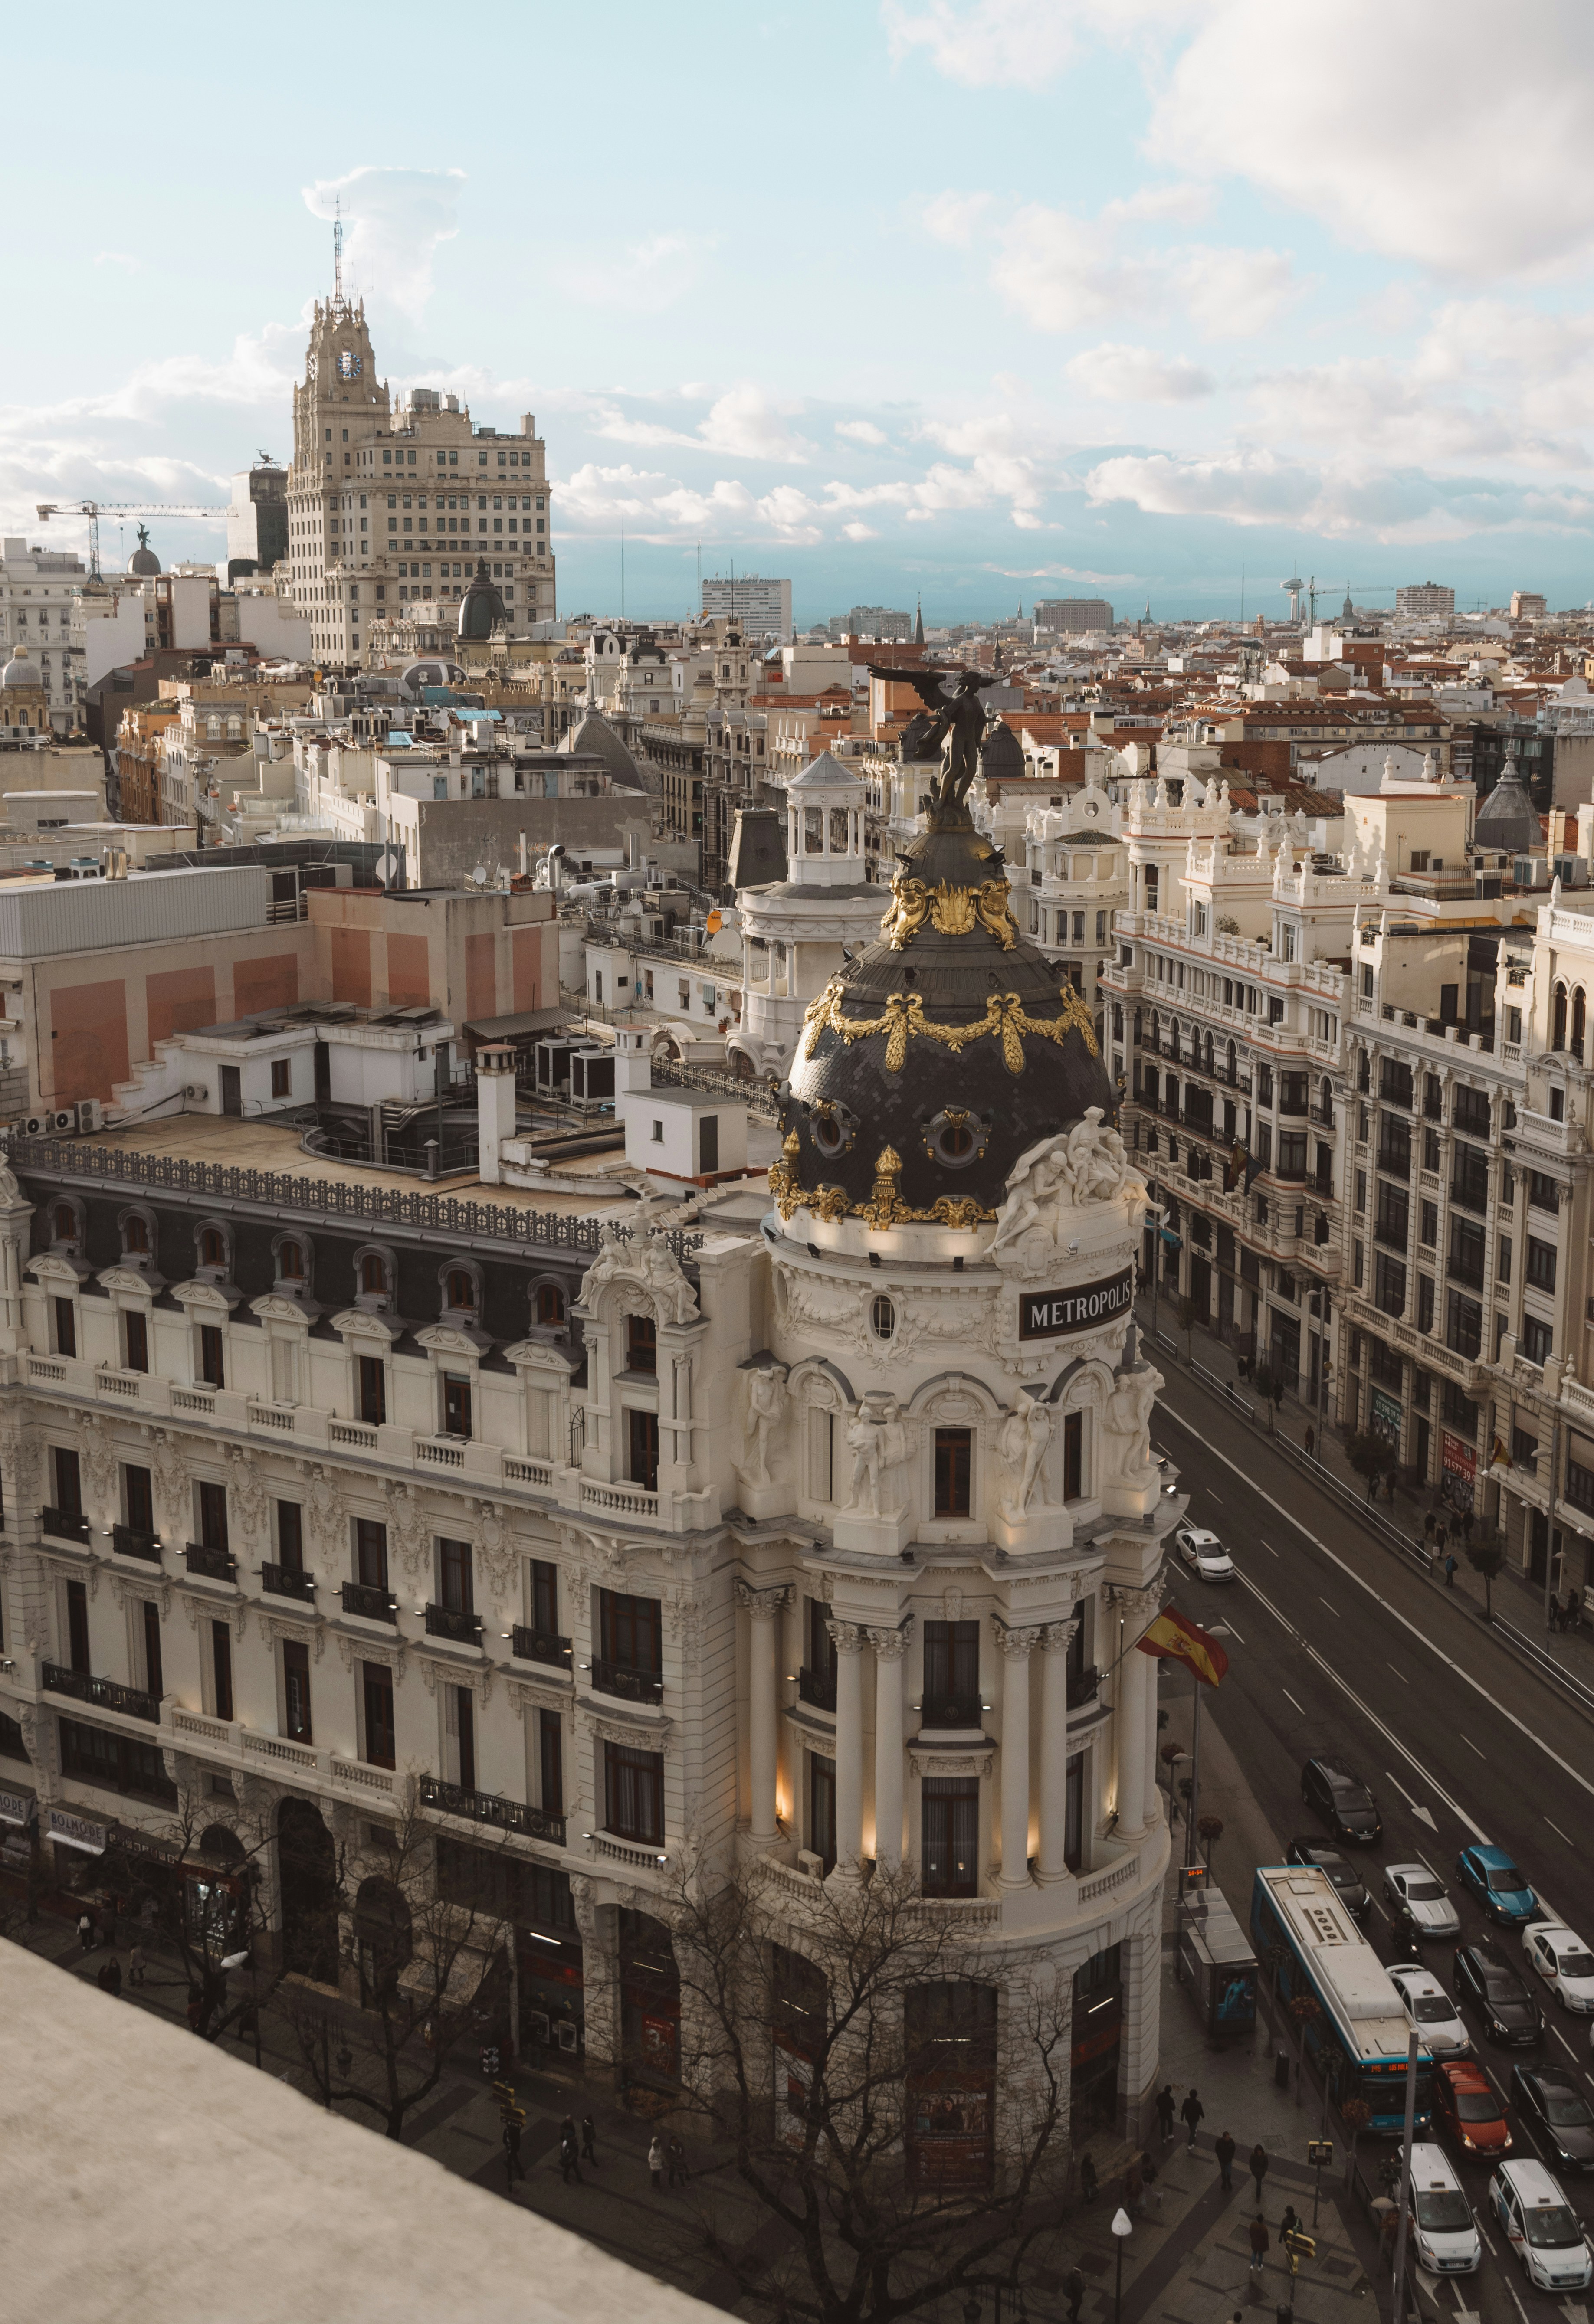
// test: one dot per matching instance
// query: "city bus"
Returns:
(1306, 1943)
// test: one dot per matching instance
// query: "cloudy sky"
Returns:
(980, 299)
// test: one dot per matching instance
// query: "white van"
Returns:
(1446, 2234)
(1541, 2227)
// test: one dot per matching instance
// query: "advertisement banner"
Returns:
(1385, 1418)
(17, 1807)
(1458, 1461)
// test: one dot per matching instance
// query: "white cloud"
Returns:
(861, 431)
(393, 222)
(859, 533)
(643, 277)
(117, 258)
(743, 423)
(1126, 374)
(994, 43)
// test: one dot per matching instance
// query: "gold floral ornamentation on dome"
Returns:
(904, 1019)
(950, 912)
(885, 1207)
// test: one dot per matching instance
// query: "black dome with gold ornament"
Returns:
(934, 1060)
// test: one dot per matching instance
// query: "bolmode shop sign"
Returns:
(75, 1831)
(1053, 1314)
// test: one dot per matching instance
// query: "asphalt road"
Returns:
(1335, 1645)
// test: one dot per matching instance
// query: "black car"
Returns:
(1348, 1881)
(1488, 1982)
(1342, 1800)
(1557, 2113)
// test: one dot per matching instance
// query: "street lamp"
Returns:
(1123, 2228)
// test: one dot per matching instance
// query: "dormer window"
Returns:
(291, 1262)
(462, 1289)
(551, 1306)
(212, 1247)
(63, 1224)
(135, 1237)
(373, 1276)
(641, 1344)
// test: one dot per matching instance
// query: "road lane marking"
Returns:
(1555, 1828)
(1333, 1609)
(1422, 1814)
(1565, 2044)
(1267, 1546)
(1290, 1698)
(1400, 1674)
(1405, 1622)
(1371, 1716)
(1471, 1745)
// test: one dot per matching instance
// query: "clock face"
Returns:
(309, 366)
(348, 365)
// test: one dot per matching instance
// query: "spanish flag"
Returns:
(1171, 1634)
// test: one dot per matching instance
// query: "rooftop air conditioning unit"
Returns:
(195, 1089)
(36, 1125)
(63, 1121)
(91, 1114)
(811, 1865)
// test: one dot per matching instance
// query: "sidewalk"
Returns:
(1518, 1600)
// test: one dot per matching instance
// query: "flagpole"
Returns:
(1195, 1771)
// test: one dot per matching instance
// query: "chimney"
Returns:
(495, 1108)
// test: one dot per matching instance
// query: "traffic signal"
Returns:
(1297, 2240)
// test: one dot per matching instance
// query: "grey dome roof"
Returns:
(20, 670)
(481, 608)
(596, 735)
(826, 774)
(1000, 753)
(144, 562)
(1507, 821)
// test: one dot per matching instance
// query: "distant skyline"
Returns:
(976, 300)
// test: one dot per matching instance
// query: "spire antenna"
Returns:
(338, 250)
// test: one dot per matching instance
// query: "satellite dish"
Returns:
(387, 864)
(480, 875)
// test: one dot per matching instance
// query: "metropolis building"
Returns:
(812, 1536)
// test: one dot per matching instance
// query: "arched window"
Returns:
(1578, 1021)
(291, 1262)
(1208, 1053)
(461, 1288)
(1325, 1102)
(1233, 1064)
(135, 1234)
(1558, 1018)
(373, 1275)
(63, 1221)
(550, 1309)
(212, 1247)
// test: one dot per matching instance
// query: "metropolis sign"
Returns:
(1052, 1315)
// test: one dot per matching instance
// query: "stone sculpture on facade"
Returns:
(766, 1405)
(878, 1439)
(1127, 1419)
(1023, 1442)
(1087, 1164)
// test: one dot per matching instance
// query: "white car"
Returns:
(1204, 1554)
(1564, 1962)
(1447, 2237)
(1541, 2227)
(1413, 1887)
(1433, 2012)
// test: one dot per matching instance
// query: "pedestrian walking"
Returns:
(136, 1966)
(1225, 2151)
(1428, 1530)
(1573, 1609)
(1440, 1538)
(569, 2165)
(1073, 2291)
(1088, 2185)
(588, 2141)
(1167, 2108)
(1257, 2167)
(86, 1930)
(1450, 1572)
(1260, 2243)
(567, 2129)
(655, 2161)
(1290, 2221)
(1192, 2113)
(514, 2167)
(675, 2156)
(1311, 1439)
(113, 1977)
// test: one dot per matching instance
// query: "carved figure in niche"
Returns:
(1126, 1422)
(673, 1295)
(878, 1439)
(767, 1404)
(1023, 1442)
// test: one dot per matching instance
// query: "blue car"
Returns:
(1499, 1887)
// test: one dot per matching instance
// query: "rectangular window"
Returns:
(1541, 1264)
(78, 1627)
(212, 1369)
(377, 1685)
(1463, 1323)
(642, 1432)
(456, 1403)
(1392, 1224)
(1427, 1224)
(281, 1077)
(1425, 1303)
(221, 1668)
(150, 1614)
(1389, 1284)
(138, 1500)
(1470, 1177)
(1465, 1261)
(1541, 1190)
(631, 1633)
(1394, 1144)
(821, 1808)
(66, 1327)
(550, 1761)
(641, 1344)
(950, 1847)
(454, 1579)
(460, 1711)
(1538, 1340)
(545, 1597)
(296, 1688)
(370, 1553)
(951, 1674)
(633, 1794)
(1394, 1083)
(1470, 1111)
(1073, 1456)
(135, 1340)
(954, 1462)
(373, 1390)
(290, 1537)
(213, 1516)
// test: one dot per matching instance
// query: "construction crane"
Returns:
(95, 510)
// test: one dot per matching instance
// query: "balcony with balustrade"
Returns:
(102, 1693)
(546, 1647)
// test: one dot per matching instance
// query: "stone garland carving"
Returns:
(168, 1477)
(155, 1593)
(233, 1611)
(765, 1410)
(654, 1736)
(246, 1494)
(394, 1658)
(496, 1549)
(586, 1910)
(478, 1676)
(406, 1527)
(98, 1457)
(878, 1439)
(527, 1694)
(1005, 1019)
(313, 1634)
(325, 1509)
(1023, 1442)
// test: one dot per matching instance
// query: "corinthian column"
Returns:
(1053, 1864)
(1136, 1608)
(1014, 1646)
(763, 1609)
(849, 1641)
(890, 1646)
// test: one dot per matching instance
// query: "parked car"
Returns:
(1446, 2232)
(1498, 1884)
(1412, 1886)
(1204, 1554)
(1541, 2227)
(1342, 1800)
(1469, 2107)
(1348, 1884)
(1564, 1962)
(1490, 1984)
(1431, 2011)
(1557, 2115)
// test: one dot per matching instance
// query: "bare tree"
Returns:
(853, 2071)
(429, 1967)
(202, 1896)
